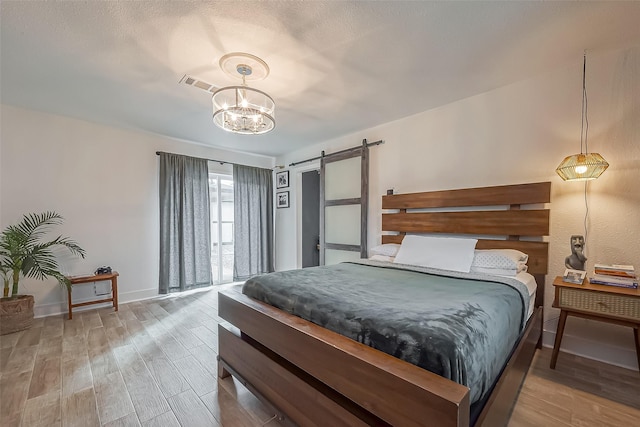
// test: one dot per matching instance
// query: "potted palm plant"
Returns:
(24, 253)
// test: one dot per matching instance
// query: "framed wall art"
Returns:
(282, 199)
(282, 179)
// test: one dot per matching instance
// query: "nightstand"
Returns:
(611, 304)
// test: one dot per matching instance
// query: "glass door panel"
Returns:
(342, 224)
(342, 179)
(336, 256)
(221, 196)
(226, 235)
(215, 247)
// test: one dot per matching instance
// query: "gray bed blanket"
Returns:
(457, 325)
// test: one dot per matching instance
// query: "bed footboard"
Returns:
(297, 365)
(289, 390)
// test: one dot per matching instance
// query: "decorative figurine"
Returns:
(577, 259)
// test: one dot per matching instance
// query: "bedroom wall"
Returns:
(518, 134)
(104, 181)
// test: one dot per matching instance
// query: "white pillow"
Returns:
(388, 249)
(381, 258)
(499, 271)
(506, 259)
(453, 254)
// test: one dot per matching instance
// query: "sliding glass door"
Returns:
(221, 195)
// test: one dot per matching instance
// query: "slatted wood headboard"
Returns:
(506, 221)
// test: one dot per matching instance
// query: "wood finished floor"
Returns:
(153, 363)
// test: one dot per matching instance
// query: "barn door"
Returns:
(344, 199)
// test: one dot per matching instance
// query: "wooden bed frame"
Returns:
(313, 376)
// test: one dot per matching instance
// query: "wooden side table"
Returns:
(611, 304)
(90, 279)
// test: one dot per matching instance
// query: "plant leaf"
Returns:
(22, 249)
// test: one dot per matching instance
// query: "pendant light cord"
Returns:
(584, 128)
(586, 216)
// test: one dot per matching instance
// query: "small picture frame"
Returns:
(282, 180)
(574, 276)
(282, 199)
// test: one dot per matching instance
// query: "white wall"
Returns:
(519, 134)
(104, 182)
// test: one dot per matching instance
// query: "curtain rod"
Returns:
(222, 162)
(369, 144)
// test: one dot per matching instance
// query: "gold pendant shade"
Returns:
(582, 167)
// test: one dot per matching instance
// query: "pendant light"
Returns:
(584, 166)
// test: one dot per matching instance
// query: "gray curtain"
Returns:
(185, 237)
(253, 222)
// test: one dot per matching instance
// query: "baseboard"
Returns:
(62, 307)
(602, 352)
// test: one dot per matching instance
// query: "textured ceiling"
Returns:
(336, 67)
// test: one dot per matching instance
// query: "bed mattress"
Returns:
(457, 325)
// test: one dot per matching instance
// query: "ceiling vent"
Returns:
(192, 81)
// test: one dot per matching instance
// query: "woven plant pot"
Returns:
(16, 314)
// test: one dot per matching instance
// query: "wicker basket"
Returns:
(16, 314)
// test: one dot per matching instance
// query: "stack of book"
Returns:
(623, 276)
